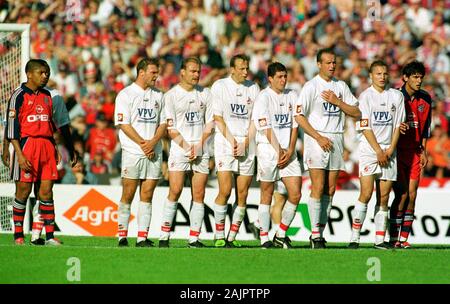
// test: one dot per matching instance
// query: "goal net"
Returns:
(14, 54)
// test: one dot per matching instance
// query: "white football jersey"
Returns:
(381, 112)
(234, 102)
(322, 115)
(60, 113)
(273, 110)
(143, 110)
(188, 112)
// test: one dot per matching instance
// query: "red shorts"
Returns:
(41, 153)
(408, 165)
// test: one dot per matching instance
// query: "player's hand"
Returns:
(5, 156)
(325, 143)
(151, 155)
(330, 97)
(283, 159)
(382, 158)
(389, 152)
(423, 159)
(404, 127)
(239, 149)
(58, 156)
(24, 163)
(146, 146)
(195, 151)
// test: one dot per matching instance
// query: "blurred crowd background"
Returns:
(93, 46)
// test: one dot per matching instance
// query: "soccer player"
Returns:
(412, 147)
(275, 151)
(189, 122)
(140, 118)
(320, 111)
(382, 112)
(30, 129)
(234, 147)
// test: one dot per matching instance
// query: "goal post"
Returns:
(14, 54)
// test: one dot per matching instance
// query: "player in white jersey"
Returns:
(320, 111)
(189, 122)
(382, 112)
(234, 147)
(277, 159)
(139, 116)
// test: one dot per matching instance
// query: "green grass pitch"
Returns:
(101, 261)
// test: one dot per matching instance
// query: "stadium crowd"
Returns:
(92, 47)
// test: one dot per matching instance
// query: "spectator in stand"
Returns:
(79, 175)
(438, 149)
(102, 139)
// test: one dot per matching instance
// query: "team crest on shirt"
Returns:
(393, 108)
(420, 108)
(202, 105)
(120, 117)
(170, 122)
(299, 109)
(191, 101)
(156, 105)
(364, 122)
(220, 164)
(249, 101)
(12, 113)
(262, 122)
(290, 107)
(39, 109)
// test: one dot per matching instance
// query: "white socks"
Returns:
(359, 215)
(169, 211)
(220, 213)
(144, 218)
(287, 215)
(196, 218)
(124, 211)
(264, 222)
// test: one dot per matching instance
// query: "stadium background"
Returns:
(93, 46)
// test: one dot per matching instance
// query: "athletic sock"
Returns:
(170, 209)
(124, 211)
(359, 215)
(19, 208)
(47, 210)
(395, 223)
(144, 219)
(315, 209)
(220, 213)
(408, 219)
(326, 202)
(381, 218)
(238, 216)
(264, 222)
(196, 218)
(287, 215)
(38, 223)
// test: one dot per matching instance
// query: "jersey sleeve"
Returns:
(303, 102)
(427, 127)
(348, 97)
(162, 112)
(293, 97)
(261, 117)
(364, 107)
(60, 113)
(13, 125)
(216, 99)
(209, 116)
(169, 109)
(400, 113)
(122, 112)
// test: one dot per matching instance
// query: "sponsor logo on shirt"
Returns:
(382, 118)
(120, 117)
(239, 109)
(331, 109)
(193, 117)
(12, 113)
(146, 115)
(364, 122)
(262, 122)
(283, 120)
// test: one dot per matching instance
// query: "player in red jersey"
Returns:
(30, 129)
(412, 148)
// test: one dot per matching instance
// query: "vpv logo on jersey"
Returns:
(147, 115)
(382, 118)
(283, 120)
(95, 213)
(193, 117)
(239, 110)
(330, 109)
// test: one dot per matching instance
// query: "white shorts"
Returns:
(267, 165)
(181, 163)
(316, 158)
(140, 167)
(368, 164)
(244, 165)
